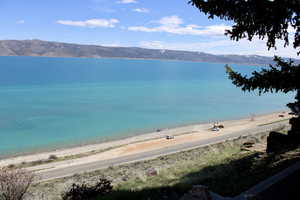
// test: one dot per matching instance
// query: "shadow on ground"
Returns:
(228, 179)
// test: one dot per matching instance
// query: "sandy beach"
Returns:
(143, 143)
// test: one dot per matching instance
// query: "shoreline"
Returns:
(97, 146)
(128, 136)
(149, 59)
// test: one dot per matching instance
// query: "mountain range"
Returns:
(59, 49)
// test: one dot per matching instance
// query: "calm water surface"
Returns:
(50, 102)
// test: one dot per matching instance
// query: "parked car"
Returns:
(215, 129)
(169, 137)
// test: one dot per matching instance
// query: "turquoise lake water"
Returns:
(51, 102)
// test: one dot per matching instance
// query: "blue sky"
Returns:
(163, 24)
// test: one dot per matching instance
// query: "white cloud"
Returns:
(224, 47)
(91, 23)
(170, 20)
(127, 1)
(174, 25)
(291, 30)
(21, 21)
(141, 10)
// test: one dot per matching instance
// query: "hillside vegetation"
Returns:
(58, 49)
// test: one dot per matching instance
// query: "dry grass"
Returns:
(172, 169)
(209, 165)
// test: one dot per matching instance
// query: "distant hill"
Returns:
(58, 49)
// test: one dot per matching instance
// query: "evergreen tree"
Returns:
(264, 19)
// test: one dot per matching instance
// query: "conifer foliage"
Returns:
(271, 20)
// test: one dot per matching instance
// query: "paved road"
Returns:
(88, 167)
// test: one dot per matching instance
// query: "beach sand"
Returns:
(143, 143)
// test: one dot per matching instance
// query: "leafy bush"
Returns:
(84, 191)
